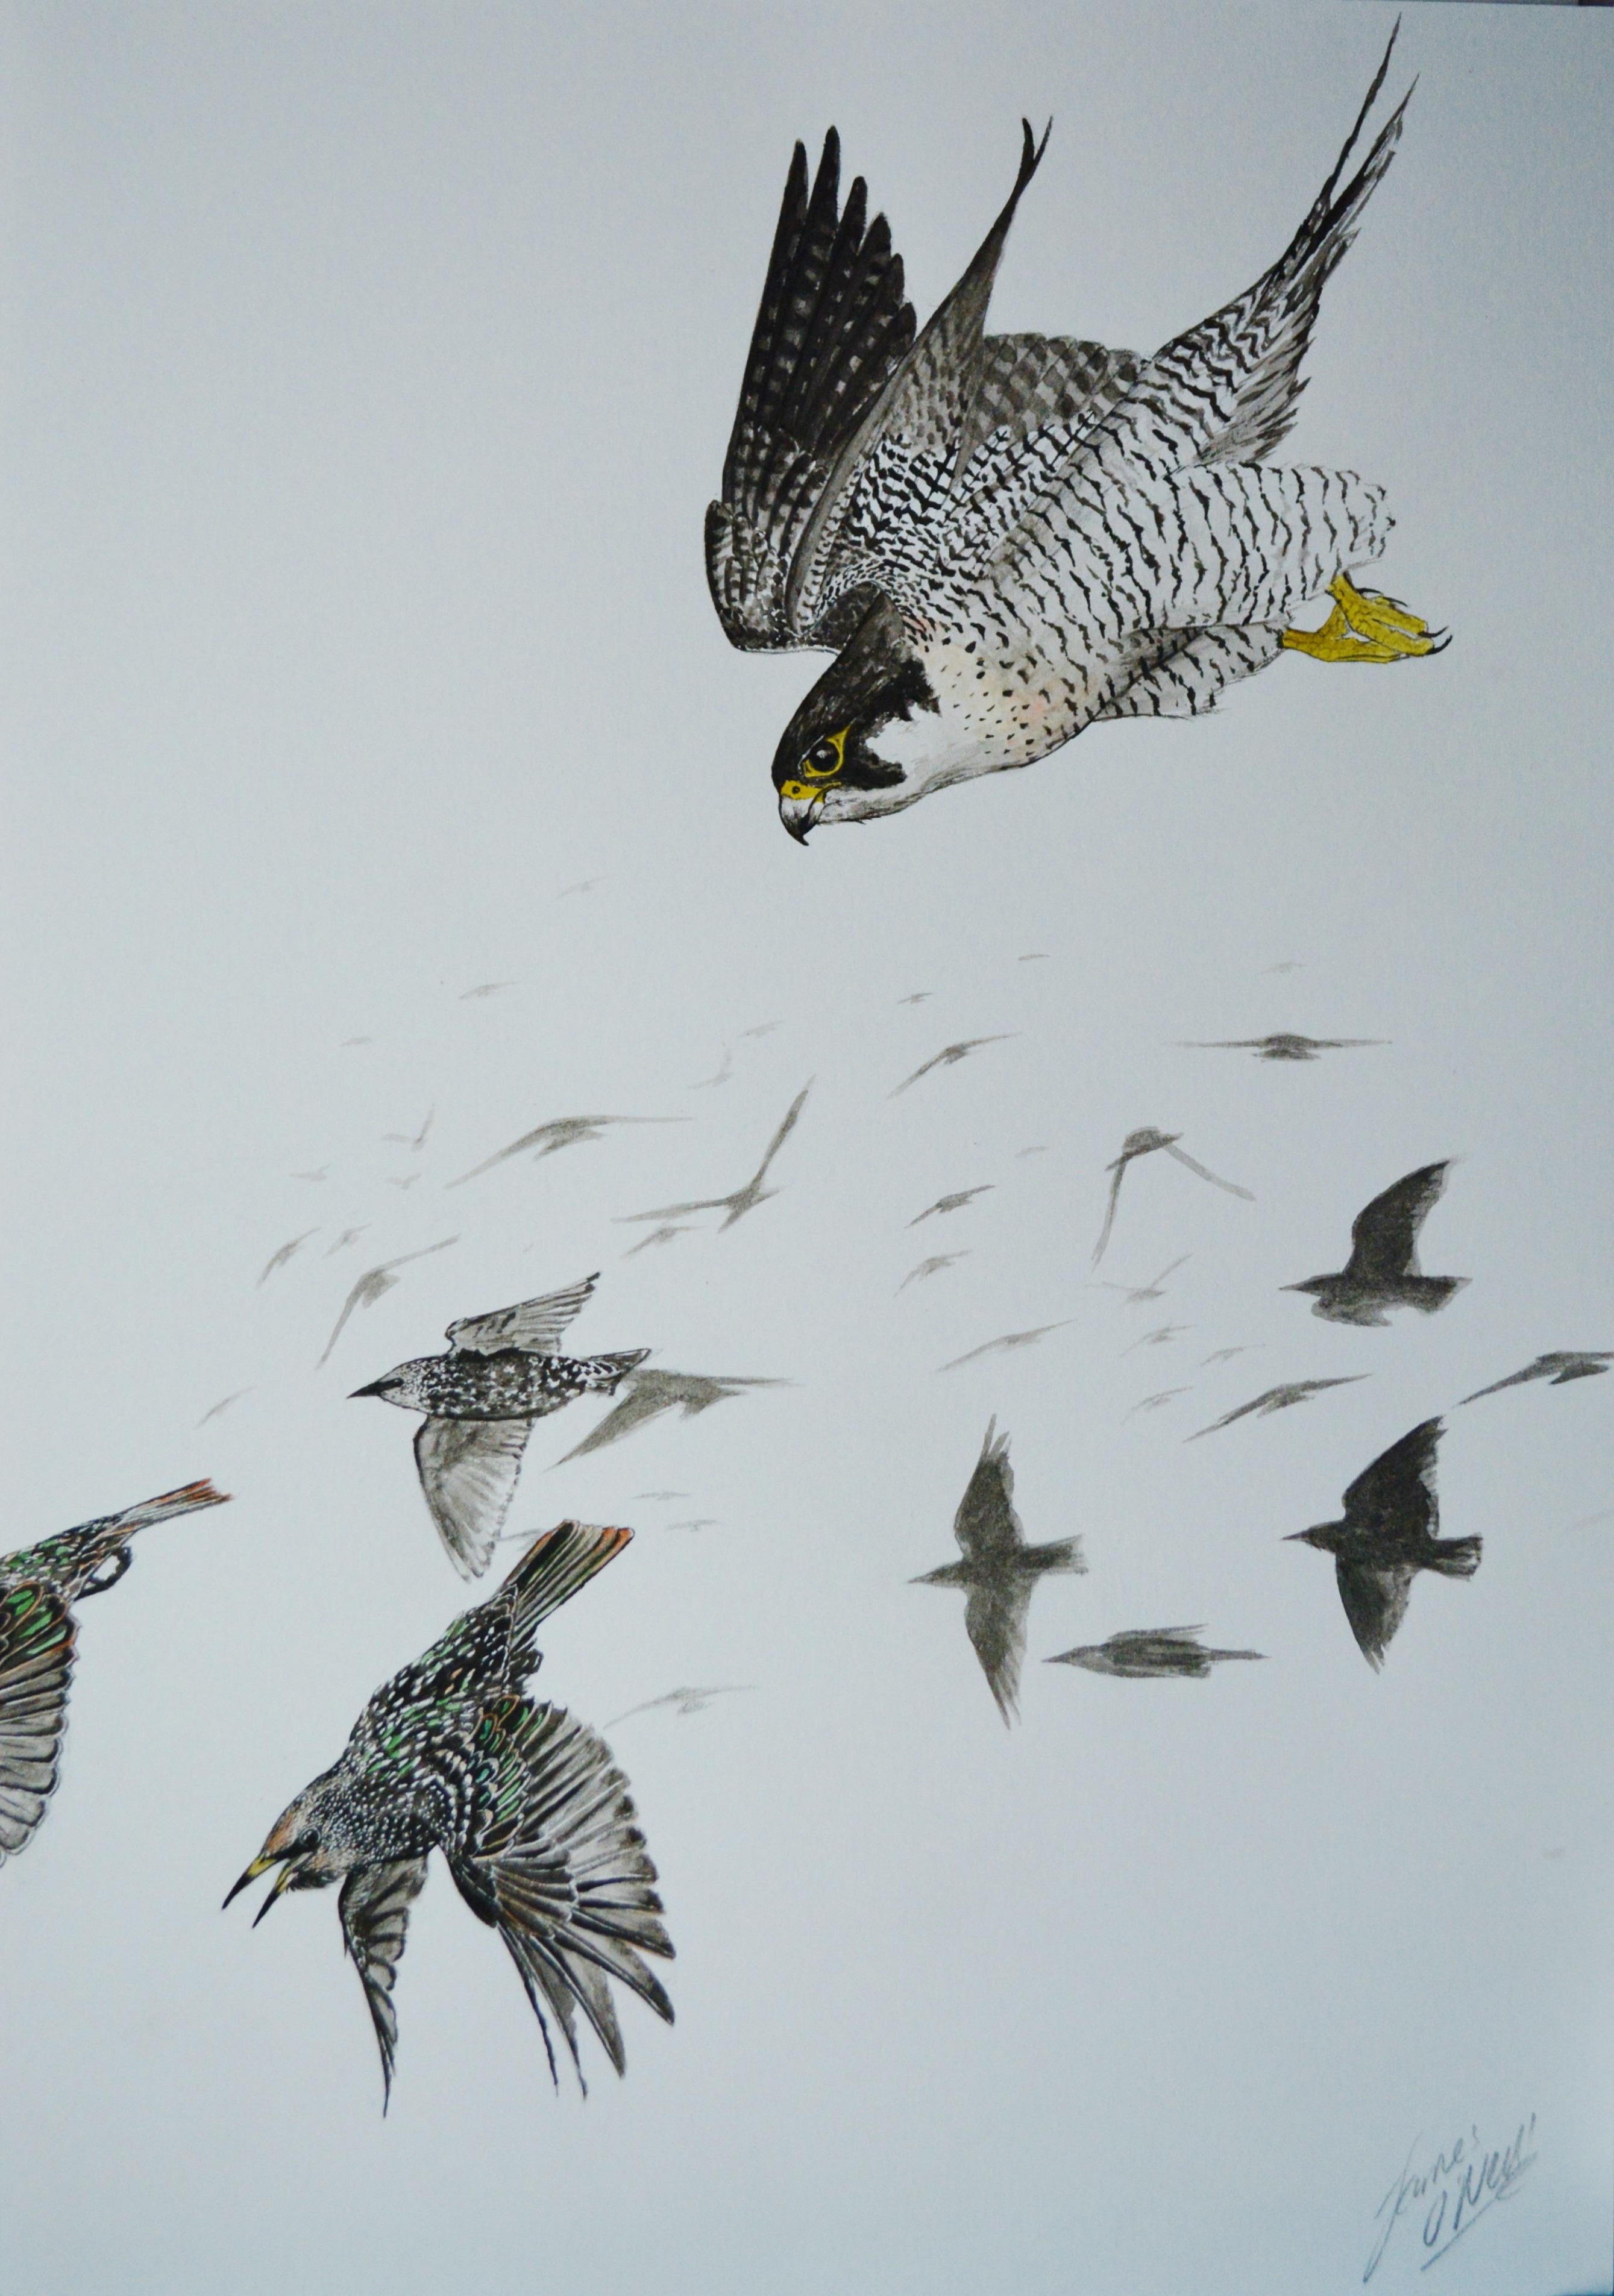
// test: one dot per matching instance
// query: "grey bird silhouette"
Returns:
(1138, 1294)
(1382, 1270)
(682, 1701)
(348, 1235)
(1143, 1143)
(1035, 957)
(1154, 1402)
(1040, 1150)
(763, 1028)
(948, 1057)
(1161, 1337)
(649, 1393)
(485, 988)
(1222, 1355)
(696, 1522)
(1005, 1344)
(932, 1267)
(998, 1570)
(562, 1132)
(286, 1251)
(920, 996)
(416, 1140)
(744, 1199)
(1275, 1398)
(583, 885)
(955, 1203)
(726, 1070)
(324, 1173)
(1150, 1654)
(349, 1043)
(1290, 964)
(1283, 1046)
(1560, 1367)
(374, 1284)
(656, 1235)
(406, 1183)
(660, 1495)
(1386, 1536)
(223, 1405)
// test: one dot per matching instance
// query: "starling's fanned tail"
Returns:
(1456, 1558)
(36, 1641)
(184, 1501)
(555, 1566)
(605, 1373)
(557, 1863)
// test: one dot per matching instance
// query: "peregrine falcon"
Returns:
(1005, 539)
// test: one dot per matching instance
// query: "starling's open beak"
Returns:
(800, 814)
(259, 1866)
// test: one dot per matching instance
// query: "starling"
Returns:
(1275, 1398)
(38, 1640)
(1144, 1142)
(374, 1284)
(999, 1572)
(744, 1199)
(1283, 1046)
(524, 1801)
(1005, 1344)
(1150, 1653)
(956, 1202)
(501, 1371)
(1006, 538)
(559, 1132)
(949, 1057)
(1386, 1536)
(650, 1393)
(932, 1267)
(1560, 1367)
(1382, 1270)
(1136, 1295)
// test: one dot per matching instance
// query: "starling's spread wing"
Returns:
(374, 1907)
(36, 1642)
(1375, 1603)
(1384, 1234)
(554, 1859)
(831, 327)
(986, 1526)
(533, 1325)
(468, 1472)
(995, 1619)
(1398, 1491)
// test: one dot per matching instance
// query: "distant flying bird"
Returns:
(1005, 1346)
(1154, 1402)
(932, 1267)
(1290, 964)
(1136, 1295)
(1161, 1337)
(1386, 1536)
(322, 1173)
(583, 885)
(660, 1495)
(920, 996)
(948, 1057)
(1143, 1143)
(1222, 1355)
(1275, 1398)
(657, 1235)
(1035, 957)
(953, 1204)
(745, 1198)
(726, 1070)
(499, 1374)
(223, 1406)
(1382, 1270)
(696, 1522)
(40, 1640)
(650, 1393)
(374, 1284)
(682, 1701)
(763, 1028)
(1008, 538)
(416, 1140)
(408, 1183)
(999, 1572)
(1282, 1047)
(485, 988)
(535, 1820)
(562, 1132)
(348, 1235)
(348, 1043)
(286, 1251)
(1560, 1367)
(1041, 1150)
(1150, 1653)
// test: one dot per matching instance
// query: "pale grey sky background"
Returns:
(366, 374)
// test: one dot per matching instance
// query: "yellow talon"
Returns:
(1365, 625)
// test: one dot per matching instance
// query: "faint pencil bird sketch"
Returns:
(533, 1817)
(1222, 1355)
(1277, 1398)
(1283, 1046)
(286, 1251)
(1150, 1654)
(660, 1495)
(1010, 538)
(932, 1267)
(1162, 1336)
(697, 1522)
(500, 1373)
(1560, 1367)
(1040, 1150)
(681, 1701)
(1386, 1536)
(657, 1235)
(1035, 957)
(1007, 1344)
(324, 1173)
(40, 1640)
(416, 1140)
(583, 885)
(485, 988)
(920, 996)
(1138, 1295)
(1156, 1402)
(948, 1057)
(724, 1071)
(407, 1183)
(650, 1393)
(1145, 1143)
(223, 1405)
(562, 1132)
(763, 1028)
(744, 1199)
(374, 1284)
(349, 1043)
(348, 1235)
(1382, 1270)
(1290, 964)
(1587, 1522)
(998, 1570)
(956, 1202)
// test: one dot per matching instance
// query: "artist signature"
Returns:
(1453, 2192)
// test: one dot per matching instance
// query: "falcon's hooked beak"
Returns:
(800, 814)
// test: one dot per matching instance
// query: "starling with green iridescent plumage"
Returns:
(525, 1802)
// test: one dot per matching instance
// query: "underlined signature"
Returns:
(1448, 2196)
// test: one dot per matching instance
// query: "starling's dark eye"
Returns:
(826, 758)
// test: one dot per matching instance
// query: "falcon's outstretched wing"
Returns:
(374, 1908)
(37, 1643)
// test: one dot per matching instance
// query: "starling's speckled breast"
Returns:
(510, 1385)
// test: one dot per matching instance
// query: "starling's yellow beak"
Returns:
(260, 1865)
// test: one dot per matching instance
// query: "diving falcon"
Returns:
(1005, 539)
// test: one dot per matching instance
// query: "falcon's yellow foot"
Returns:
(1365, 625)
